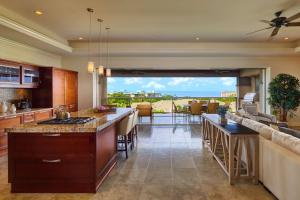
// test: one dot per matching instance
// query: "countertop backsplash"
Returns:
(12, 95)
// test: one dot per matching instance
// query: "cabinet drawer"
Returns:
(8, 122)
(53, 168)
(51, 144)
(43, 115)
(28, 117)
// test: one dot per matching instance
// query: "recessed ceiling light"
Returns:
(80, 38)
(197, 38)
(286, 38)
(38, 12)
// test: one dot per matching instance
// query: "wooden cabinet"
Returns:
(10, 74)
(43, 115)
(28, 117)
(59, 91)
(71, 90)
(7, 122)
(79, 162)
(14, 120)
(18, 75)
(57, 87)
(30, 76)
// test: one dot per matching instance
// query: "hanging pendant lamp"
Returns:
(108, 70)
(91, 64)
(100, 67)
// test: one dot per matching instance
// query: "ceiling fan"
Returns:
(279, 22)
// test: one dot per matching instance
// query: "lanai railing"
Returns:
(164, 104)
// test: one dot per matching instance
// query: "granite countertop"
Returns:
(22, 111)
(101, 121)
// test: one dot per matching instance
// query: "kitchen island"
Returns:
(63, 157)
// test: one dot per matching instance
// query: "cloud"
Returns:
(111, 80)
(154, 85)
(177, 81)
(227, 81)
(130, 81)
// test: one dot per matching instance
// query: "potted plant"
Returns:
(222, 112)
(284, 95)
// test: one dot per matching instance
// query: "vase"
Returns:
(222, 120)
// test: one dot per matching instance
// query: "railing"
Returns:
(164, 104)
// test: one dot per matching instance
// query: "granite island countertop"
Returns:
(101, 121)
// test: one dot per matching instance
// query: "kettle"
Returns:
(3, 107)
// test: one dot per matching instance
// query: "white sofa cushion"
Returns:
(234, 117)
(264, 130)
(287, 141)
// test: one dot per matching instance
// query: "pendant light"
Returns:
(100, 67)
(108, 70)
(91, 64)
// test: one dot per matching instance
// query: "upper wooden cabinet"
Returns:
(57, 87)
(30, 76)
(18, 75)
(71, 90)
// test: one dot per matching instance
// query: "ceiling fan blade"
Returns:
(292, 18)
(275, 32)
(267, 22)
(259, 30)
(293, 24)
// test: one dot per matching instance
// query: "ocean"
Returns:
(191, 93)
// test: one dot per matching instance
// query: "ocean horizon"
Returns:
(211, 93)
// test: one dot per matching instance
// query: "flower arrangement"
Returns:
(222, 110)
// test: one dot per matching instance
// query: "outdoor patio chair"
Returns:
(145, 110)
(212, 108)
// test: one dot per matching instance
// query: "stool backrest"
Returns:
(135, 120)
(125, 125)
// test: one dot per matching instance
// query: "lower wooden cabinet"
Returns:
(15, 120)
(7, 122)
(61, 162)
(43, 115)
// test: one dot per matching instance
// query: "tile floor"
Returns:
(168, 163)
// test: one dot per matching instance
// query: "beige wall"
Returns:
(11, 50)
(277, 65)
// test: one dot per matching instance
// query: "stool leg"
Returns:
(126, 143)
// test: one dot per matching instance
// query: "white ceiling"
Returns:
(160, 20)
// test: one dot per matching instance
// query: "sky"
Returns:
(176, 86)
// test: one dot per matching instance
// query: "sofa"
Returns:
(279, 158)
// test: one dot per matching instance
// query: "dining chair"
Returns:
(125, 133)
(144, 110)
(212, 108)
(196, 108)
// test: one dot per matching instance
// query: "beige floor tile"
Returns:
(169, 162)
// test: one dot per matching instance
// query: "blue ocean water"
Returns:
(192, 93)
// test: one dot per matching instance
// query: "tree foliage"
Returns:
(284, 93)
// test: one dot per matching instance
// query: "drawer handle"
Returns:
(51, 161)
(10, 117)
(51, 135)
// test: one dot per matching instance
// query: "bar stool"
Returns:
(135, 122)
(125, 133)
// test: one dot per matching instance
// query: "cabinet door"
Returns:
(7, 122)
(71, 90)
(59, 92)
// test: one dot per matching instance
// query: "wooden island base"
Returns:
(62, 162)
